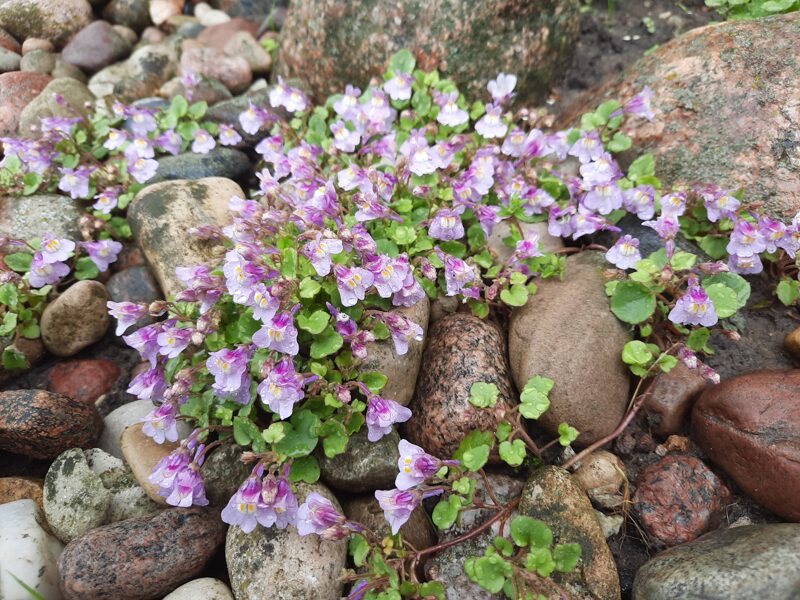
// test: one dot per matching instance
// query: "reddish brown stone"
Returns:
(42, 424)
(750, 426)
(233, 72)
(17, 89)
(678, 499)
(670, 398)
(461, 350)
(84, 380)
(141, 558)
(217, 36)
(8, 42)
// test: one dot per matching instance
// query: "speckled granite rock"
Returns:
(142, 558)
(223, 472)
(678, 499)
(29, 217)
(712, 122)
(41, 424)
(279, 564)
(752, 420)
(127, 499)
(335, 42)
(76, 319)
(219, 162)
(401, 371)
(54, 20)
(552, 496)
(461, 350)
(160, 215)
(364, 466)
(566, 332)
(17, 89)
(756, 561)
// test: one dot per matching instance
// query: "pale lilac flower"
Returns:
(318, 515)
(457, 274)
(514, 144)
(142, 121)
(502, 87)
(106, 201)
(556, 144)
(75, 182)
(160, 424)
(145, 340)
(397, 506)
(666, 227)
(399, 86)
(43, 273)
(559, 221)
(350, 177)
(319, 252)
(450, 113)
(588, 147)
(625, 253)
(603, 198)
(228, 136)
(772, 231)
(279, 334)
(600, 171)
(346, 106)
(673, 205)
(277, 496)
(282, 388)
(720, 205)
(55, 249)
(169, 142)
(253, 119)
(790, 242)
(585, 222)
(536, 200)
(414, 465)
(148, 385)
(491, 125)
(446, 225)
(639, 105)
(143, 169)
(102, 252)
(388, 274)
(115, 140)
(745, 265)
(290, 98)
(203, 142)
(167, 469)
(344, 139)
(527, 248)
(381, 415)
(402, 331)
(694, 308)
(126, 314)
(487, 217)
(264, 304)
(228, 366)
(173, 340)
(187, 489)
(377, 109)
(241, 276)
(640, 200)
(245, 508)
(410, 294)
(352, 283)
(140, 147)
(746, 239)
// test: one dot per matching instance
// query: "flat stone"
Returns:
(219, 162)
(117, 420)
(84, 380)
(20, 488)
(30, 217)
(205, 588)
(755, 561)
(364, 466)
(670, 399)
(76, 319)
(54, 20)
(142, 454)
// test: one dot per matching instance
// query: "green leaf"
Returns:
(421, 103)
(326, 344)
(315, 322)
(620, 142)
(527, 531)
(85, 268)
(31, 592)
(513, 453)
(19, 262)
(698, 338)
(644, 166)
(567, 434)
(632, 302)
(374, 380)
(273, 433)
(463, 485)
(309, 288)
(402, 62)
(714, 246)
(788, 291)
(566, 557)
(723, 298)
(288, 262)
(300, 435)
(198, 110)
(359, 548)
(682, 261)
(9, 295)
(304, 469)
(13, 359)
(666, 362)
(316, 130)
(776, 6)
(636, 352)
(503, 431)
(483, 394)
(541, 561)
(475, 458)
(31, 182)
(735, 282)
(245, 431)
(474, 439)
(9, 323)
(489, 572)
(533, 403)
(516, 295)
(445, 512)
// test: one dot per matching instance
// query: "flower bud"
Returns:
(157, 308)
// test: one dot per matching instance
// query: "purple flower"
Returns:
(148, 385)
(666, 227)
(502, 87)
(772, 231)
(344, 139)
(411, 293)
(587, 148)
(102, 252)
(43, 273)
(290, 98)
(145, 340)
(169, 142)
(75, 182)
(228, 136)
(319, 252)
(694, 308)
(106, 201)
(402, 330)
(600, 171)
(381, 415)
(282, 388)
(514, 144)
(415, 466)
(625, 253)
(457, 274)
(228, 366)
(142, 121)
(187, 489)
(173, 340)
(790, 242)
(397, 506)
(720, 205)
(279, 334)
(399, 86)
(318, 515)
(585, 222)
(449, 112)
(115, 140)
(241, 276)
(388, 274)
(167, 469)
(55, 249)
(264, 304)
(446, 225)
(346, 106)
(140, 147)
(160, 424)
(143, 169)
(491, 124)
(639, 105)
(603, 198)
(559, 221)
(126, 314)
(352, 283)
(745, 265)
(527, 248)
(253, 119)
(639, 200)
(746, 239)
(277, 496)
(673, 205)
(203, 142)
(245, 508)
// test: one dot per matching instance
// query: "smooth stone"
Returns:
(117, 420)
(142, 558)
(160, 215)
(38, 61)
(670, 398)
(131, 13)
(401, 371)
(792, 341)
(461, 350)
(216, 36)
(209, 16)
(755, 561)
(249, 9)
(76, 319)
(140, 76)
(417, 531)
(233, 72)
(30, 217)
(227, 112)
(610, 524)
(583, 358)
(127, 33)
(142, 454)
(602, 475)
(679, 498)
(75, 500)
(134, 284)
(64, 69)
(279, 564)
(223, 472)
(754, 419)
(20, 488)
(9, 61)
(31, 44)
(8, 42)
(219, 162)
(128, 500)
(42, 424)
(335, 42)
(205, 588)
(245, 45)
(54, 20)
(208, 90)
(76, 97)
(364, 466)
(162, 10)
(547, 242)
(17, 89)
(28, 551)
(85, 380)
(96, 46)
(554, 497)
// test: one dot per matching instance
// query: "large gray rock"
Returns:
(279, 564)
(95, 47)
(223, 472)
(30, 217)
(756, 561)
(76, 97)
(128, 499)
(55, 20)
(364, 466)
(219, 162)
(131, 13)
(566, 332)
(331, 43)
(115, 422)
(146, 70)
(161, 214)
(76, 319)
